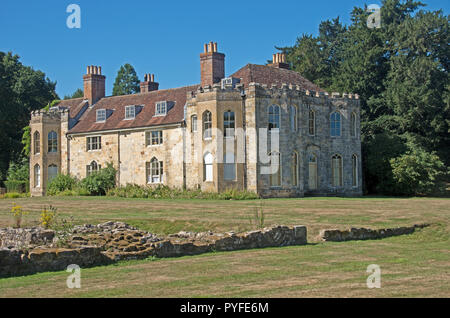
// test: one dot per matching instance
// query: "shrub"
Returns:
(17, 186)
(418, 173)
(48, 216)
(18, 214)
(61, 183)
(98, 183)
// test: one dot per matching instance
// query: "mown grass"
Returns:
(416, 265)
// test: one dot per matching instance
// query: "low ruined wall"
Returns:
(19, 238)
(366, 234)
(117, 241)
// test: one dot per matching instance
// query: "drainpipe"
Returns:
(243, 96)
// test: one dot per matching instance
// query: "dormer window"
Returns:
(101, 115)
(161, 109)
(130, 112)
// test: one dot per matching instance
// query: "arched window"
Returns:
(207, 125)
(208, 167)
(37, 176)
(353, 124)
(335, 124)
(228, 123)
(295, 169)
(312, 123)
(92, 167)
(293, 118)
(155, 171)
(274, 117)
(37, 142)
(52, 142)
(275, 165)
(194, 123)
(355, 170)
(336, 170)
(312, 169)
(229, 167)
(52, 172)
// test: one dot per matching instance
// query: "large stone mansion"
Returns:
(264, 128)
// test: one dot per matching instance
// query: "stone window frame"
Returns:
(207, 125)
(130, 112)
(208, 165)
(52, 142)
(90, 143)
(313, 119)
(335, 132)
(353, 125)
(229, 123)
(37, 175)
(49, 179)
(292, 108)
(154, 171)
(231, 166)
(355, 172)
(154, 138)
(92, 167)
(194, 123)
(37, 142)
(340, 180)
(313, 158)
(295, 169)
(272, 116)
(278, 173)
(100, 118)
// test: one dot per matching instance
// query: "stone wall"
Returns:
(366, 234)
(113, 241)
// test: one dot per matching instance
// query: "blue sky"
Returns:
(160, 37)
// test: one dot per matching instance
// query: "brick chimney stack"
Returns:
(94, 84)
(279, 61)
(212, 65)
(149, 84)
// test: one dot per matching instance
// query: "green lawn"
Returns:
(411, 265)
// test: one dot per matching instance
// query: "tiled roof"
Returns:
(268, 75)
(144, 118)
(116, 104)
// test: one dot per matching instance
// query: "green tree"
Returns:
(126, 82)
(22, 90)
(77, 94)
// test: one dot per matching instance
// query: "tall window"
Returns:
(155, 171)
(52, 142)
(293, 119)
(336, 170)
(194, 123)
(295, 169)
(153, 138)
(274, 117)
(312, 123)
(228, 123)
(37, 176)
(52, 172)
(354, 170)
(101, 115)
(92, 167)
(229, 167)
(37, 143)
(353, 124)
(335, 124)
(130, 112)
(208, 167)
(312, 169)
(94, 143)
(275, 164)
(207, 125)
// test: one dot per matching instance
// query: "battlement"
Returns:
(54, 113)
